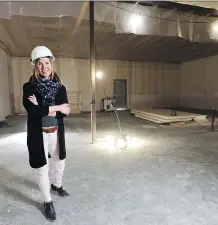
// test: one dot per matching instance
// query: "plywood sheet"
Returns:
(163, 115)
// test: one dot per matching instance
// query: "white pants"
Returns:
(51, 146)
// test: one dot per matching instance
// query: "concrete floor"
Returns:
(167, 176)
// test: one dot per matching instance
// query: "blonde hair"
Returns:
(36, 74)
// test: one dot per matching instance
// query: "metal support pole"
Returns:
(92, 69)
(213, 118)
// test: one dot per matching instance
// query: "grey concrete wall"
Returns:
(199, 83)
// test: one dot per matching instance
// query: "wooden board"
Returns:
(163, 115)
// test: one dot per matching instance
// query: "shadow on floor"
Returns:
(11, 181)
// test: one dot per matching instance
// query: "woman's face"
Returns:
(44, 67)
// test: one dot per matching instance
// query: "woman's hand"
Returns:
(33, 99)
(52, 114)
(64, 108)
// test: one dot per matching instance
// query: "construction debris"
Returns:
(3, 124)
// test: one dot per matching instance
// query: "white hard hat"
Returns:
(40, 52)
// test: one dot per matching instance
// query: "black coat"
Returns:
(35, 113)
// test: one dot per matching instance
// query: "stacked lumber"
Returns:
(164, 115)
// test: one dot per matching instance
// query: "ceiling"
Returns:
(69, 37)
(206, 4)
(199, 7)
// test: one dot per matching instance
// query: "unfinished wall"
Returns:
(193, 84)
(155, 85)
(148, 84)
(199, 83)
(5, 88)
(21, 70)
(76, 77)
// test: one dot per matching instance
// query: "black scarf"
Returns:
(47, 88)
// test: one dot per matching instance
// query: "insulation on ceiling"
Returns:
(156, 21)
(200, 3)
(127, 18)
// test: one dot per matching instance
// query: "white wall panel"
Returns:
(21, 71)
(193, 84)
(155, 84)
(111, 70)
(5, 103)
(147, 83)
(171, 85)
(11, 85)
(199, 81)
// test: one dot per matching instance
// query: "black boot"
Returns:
(60, 190)
(49, 211)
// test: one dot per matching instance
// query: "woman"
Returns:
(46, 103)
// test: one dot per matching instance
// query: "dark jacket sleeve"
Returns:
(59, 114)
(32, 110)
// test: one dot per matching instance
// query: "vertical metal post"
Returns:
(213, 118)
(92, 69)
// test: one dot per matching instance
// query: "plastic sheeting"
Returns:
(39, 9)
(201, 3)
(149, 20)
(127, 18)
(103, 12)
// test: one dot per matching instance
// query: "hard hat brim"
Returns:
(52, 58)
